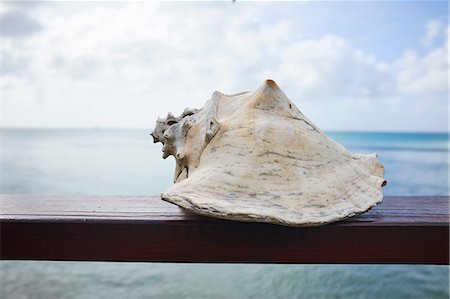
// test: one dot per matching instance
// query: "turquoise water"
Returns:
(127, 162)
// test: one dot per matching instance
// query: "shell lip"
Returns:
(186, 204)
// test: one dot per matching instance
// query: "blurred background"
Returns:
(82, 84)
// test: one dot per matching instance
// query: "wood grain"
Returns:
(400, 230)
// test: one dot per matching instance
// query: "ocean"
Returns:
(126, 162)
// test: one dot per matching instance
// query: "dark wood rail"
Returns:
(144, 228)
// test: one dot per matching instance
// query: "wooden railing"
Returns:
(144, 228)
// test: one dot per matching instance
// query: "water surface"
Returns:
(126, 162)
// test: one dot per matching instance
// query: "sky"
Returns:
(354, 66)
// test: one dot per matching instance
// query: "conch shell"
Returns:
(253, 156)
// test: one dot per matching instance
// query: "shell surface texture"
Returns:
(253, 156)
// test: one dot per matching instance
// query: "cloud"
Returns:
(18, 24)
(124, 64)
(423, 76)
(434, 29)
(330, 68)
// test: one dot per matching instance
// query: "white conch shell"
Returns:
(254, 156)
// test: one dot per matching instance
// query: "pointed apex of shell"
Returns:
(269, 83)
(268, 87)
(270, 96)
